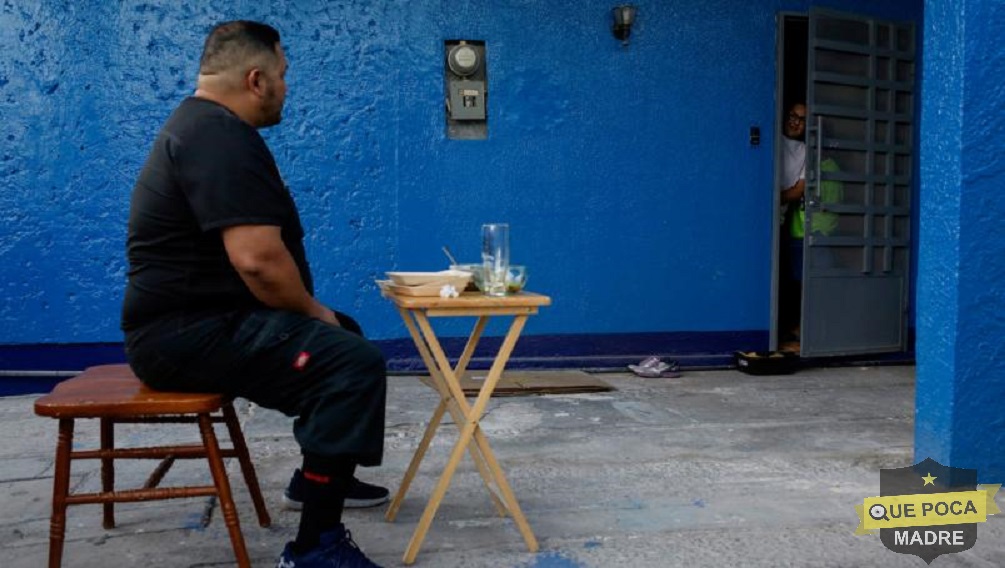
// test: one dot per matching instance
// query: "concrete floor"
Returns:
(713, 469)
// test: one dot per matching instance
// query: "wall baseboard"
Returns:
(36, 368)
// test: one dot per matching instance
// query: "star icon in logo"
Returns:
(929, 480)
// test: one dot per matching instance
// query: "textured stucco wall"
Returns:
(625, 174)
(961, 299)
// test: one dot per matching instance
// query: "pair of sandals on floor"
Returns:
(656, 368)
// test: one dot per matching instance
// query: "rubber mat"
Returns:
(525, 383)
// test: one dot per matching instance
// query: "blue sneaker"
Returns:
(360, 496)
(337, 550)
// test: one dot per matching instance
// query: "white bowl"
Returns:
(428, 278)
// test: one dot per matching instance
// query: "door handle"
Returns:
(816, 166)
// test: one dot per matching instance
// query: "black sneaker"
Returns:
(361, 495)
(337, 550)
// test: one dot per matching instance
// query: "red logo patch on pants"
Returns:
(316, 477)
(301, 361)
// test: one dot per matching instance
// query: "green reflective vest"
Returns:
(824, 222)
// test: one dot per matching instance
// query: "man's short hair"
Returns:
(238, 45)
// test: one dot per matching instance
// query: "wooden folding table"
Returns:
(416, 312)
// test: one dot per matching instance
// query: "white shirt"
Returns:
(793, 162)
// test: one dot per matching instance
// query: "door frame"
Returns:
(776, 205)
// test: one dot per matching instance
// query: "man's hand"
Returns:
(794, 193)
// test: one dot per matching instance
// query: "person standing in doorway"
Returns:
(220, 295)
(792, 190)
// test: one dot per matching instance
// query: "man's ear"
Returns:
(253, 80)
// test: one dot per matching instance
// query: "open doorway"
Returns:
(842, 268)
(793, 46)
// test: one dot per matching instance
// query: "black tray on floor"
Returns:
(766, 362)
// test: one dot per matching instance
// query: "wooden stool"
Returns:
(113, 394)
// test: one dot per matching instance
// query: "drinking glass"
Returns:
(495, 258)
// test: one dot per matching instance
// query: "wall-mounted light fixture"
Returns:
(624, 17)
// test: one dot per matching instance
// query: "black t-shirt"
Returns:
(208, 170)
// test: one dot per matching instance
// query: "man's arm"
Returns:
(265, 265)
(794, 193)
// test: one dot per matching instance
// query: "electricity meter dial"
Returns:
(463, 60)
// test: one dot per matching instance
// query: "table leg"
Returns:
(413, 466)
(476, 456)
(440, 363)
(457, 413)
(469, 348)
(441, 489)
(505, 350)
(472, 415)
(445, 399)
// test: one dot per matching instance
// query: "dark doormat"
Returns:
(525, 383)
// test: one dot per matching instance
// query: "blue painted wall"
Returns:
(625, 173)
(961, 379)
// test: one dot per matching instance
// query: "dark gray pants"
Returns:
(332, 379)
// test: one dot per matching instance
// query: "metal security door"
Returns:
(859, 162)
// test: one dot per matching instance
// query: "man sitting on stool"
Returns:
(220, 296)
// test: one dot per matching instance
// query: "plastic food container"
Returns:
(766, 362)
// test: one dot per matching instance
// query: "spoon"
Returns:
(446, 251)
